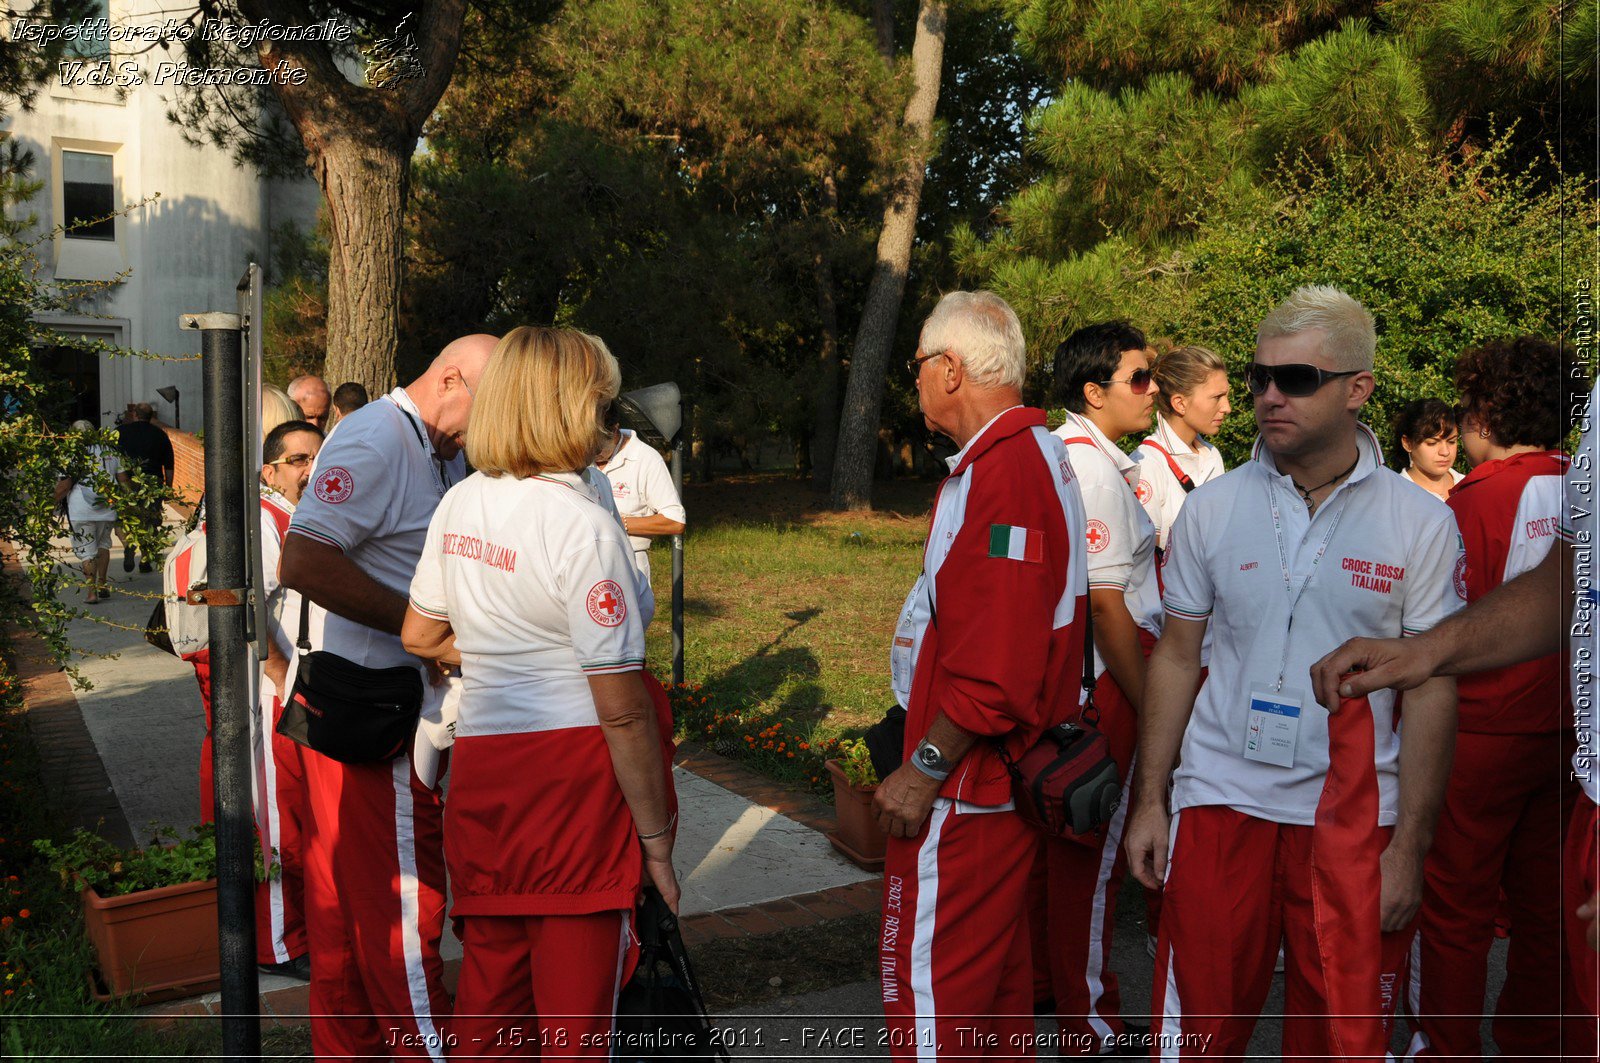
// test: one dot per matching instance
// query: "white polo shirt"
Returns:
(1121, 538)
(84, 501)
(641, 484)
(373, 491)
(537, 580)
(1158, 489)
(1377, 558)
(1577, 527)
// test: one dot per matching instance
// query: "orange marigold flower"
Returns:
(805, 745)
(24, 913)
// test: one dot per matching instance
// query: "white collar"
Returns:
(277, 498)
(1102, 442)
(956, 460)
(620, 456)
(1174, 445)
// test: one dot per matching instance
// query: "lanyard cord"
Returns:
(1283, 562)
(437, 462)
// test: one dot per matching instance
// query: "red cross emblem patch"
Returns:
(606, 606)
(1099, 536)
(334, 485)
(1143, 491)
(1460, 575)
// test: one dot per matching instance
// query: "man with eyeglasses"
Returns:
(1289, 821)
(1102, 376)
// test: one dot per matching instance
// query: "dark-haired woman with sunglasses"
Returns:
(1509, 795)
(1103, 378)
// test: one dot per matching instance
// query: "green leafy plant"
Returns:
(856, 761)
(86, 859)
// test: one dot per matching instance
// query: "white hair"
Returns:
(1349, 336)
(983, 331)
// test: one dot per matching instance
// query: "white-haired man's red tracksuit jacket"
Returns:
(994, 630)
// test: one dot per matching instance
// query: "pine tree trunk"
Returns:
(858, 432)
(364, 184)
(825, 401)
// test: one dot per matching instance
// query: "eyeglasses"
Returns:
(1295, 379)
(297, 461)
(1138, 382)
(914, 365)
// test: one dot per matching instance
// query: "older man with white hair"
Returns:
(986, 656)
(1288, 821)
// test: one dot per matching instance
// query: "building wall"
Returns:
(200, 220)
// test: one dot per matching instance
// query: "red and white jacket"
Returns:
(991, 635)
(1507, 511)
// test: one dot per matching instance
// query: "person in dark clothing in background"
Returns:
(148, 449)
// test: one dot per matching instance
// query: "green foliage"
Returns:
(88, 860)
(295, 308)
(855, 760)
(1444, 256)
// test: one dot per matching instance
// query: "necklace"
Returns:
(1307, 492)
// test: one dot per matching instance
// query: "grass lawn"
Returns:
(788, 608)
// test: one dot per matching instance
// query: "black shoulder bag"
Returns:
(661, 1013)
(347, 711)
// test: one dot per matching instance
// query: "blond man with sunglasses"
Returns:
(1287, 821)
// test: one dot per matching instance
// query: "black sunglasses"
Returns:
(1138, 381)
(1295, 380)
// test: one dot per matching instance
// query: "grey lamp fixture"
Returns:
(170, 393)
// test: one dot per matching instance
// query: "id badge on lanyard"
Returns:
(914, 617)
(1272, 721)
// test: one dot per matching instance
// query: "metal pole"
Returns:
(226, 567)
(677, 570)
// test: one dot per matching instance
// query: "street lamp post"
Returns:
(657, 413)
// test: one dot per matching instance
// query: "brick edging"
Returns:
(803, 808)
(68, 760)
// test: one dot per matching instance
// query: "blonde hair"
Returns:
(1349, 336)
(539, 403)
(276, 408)
(1183, 371)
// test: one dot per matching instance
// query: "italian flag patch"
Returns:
(1019, 544)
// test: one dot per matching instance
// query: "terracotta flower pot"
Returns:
(156, 943)
(857, 835)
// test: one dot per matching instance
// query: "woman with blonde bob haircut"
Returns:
(561, 804)
(536, 408)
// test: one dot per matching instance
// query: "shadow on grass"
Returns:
(757, 679)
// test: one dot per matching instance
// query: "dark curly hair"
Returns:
(1417, 420)
(1522, 390)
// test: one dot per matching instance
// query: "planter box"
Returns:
(156, 944)
(857, 836)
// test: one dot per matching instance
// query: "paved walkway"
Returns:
(750, 855)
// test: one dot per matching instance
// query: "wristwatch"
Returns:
(932, 763)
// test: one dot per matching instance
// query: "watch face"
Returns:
(929, 756)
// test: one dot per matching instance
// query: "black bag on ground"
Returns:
(347, 711)
(661, 1013)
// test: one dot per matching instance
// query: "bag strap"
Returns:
(304, 639)
(1183, 478)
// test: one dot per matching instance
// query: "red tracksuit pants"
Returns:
(1505, 836)
(1237, 884)
(1580, 875)
(1072, 905)
(540, 985)
(375, 892)
(953, 959)
(280, 828)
